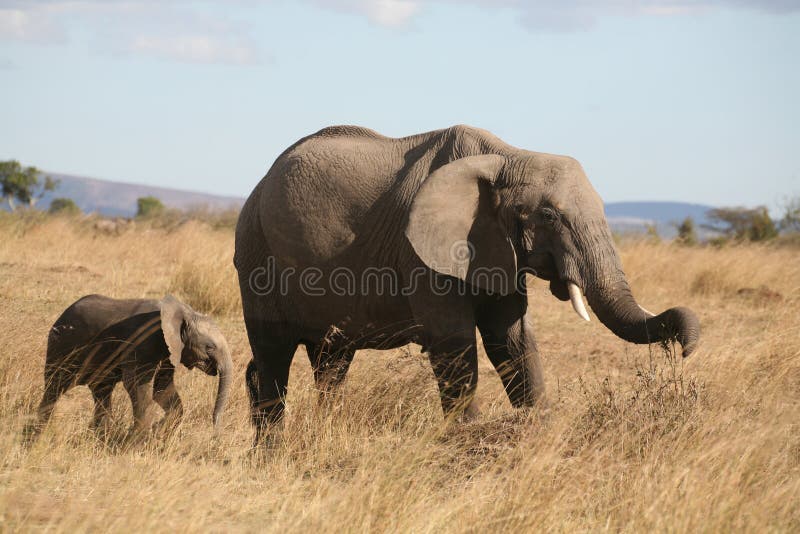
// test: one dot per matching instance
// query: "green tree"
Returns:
(751, 224)
(23, 184)
(149, 207)
(687, 235)
(64, 206)
(762, 227)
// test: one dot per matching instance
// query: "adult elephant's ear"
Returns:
(173, 317)
(454, 229)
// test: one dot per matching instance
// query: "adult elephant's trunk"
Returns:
(616, 308)
(611, 299)
(224, 368)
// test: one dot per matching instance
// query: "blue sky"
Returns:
(660, 100)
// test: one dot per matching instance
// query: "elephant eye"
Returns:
(549, 215)
(210, 349)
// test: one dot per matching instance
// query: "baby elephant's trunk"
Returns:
(224, 368)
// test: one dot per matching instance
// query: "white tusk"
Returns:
(648, 313)
(576, 297)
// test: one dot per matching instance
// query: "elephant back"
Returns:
(315, 200)
(84, 319)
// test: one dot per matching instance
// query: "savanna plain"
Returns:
(629, 438)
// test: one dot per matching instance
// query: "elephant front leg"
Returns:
(449, 339)
(455, 364)
(509, 342)
(139, 385)
(165, 394)
(330, 365)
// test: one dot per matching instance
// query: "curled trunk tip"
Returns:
(682, 325)
(620, 313)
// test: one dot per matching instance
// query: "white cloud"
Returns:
(18, 24)
(388, 13)
(179, 30)
(193, 49)
(172, 30)
(553, 14)
(392, 13)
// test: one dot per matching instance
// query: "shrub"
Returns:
(659, 401)
(148, 207)
(652, 234)
(744, 224)
(791, 216)
(64, 206)
(687, 235)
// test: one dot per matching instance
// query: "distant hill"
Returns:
(119, 199)
(634, 217)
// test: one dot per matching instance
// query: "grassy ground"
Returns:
(628, 439)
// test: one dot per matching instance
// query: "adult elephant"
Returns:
(356, 240)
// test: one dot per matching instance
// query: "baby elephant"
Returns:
(99, 341)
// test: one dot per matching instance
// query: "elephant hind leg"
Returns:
(272, 341)
(101, 393)
(55, 385)
(267, 375)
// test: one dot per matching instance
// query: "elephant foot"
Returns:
(263, 449)
(268, 437)
(464, 414)
(140, 432)
(167, 426)
(472, 412)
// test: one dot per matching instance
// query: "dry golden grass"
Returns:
(208, 282)
(628, 440)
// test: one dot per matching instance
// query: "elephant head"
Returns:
(195, 341)
(488, 218)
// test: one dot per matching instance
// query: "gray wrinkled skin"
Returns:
(349, 198)
(99, 341)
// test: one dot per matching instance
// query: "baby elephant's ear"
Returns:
(173, 316)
